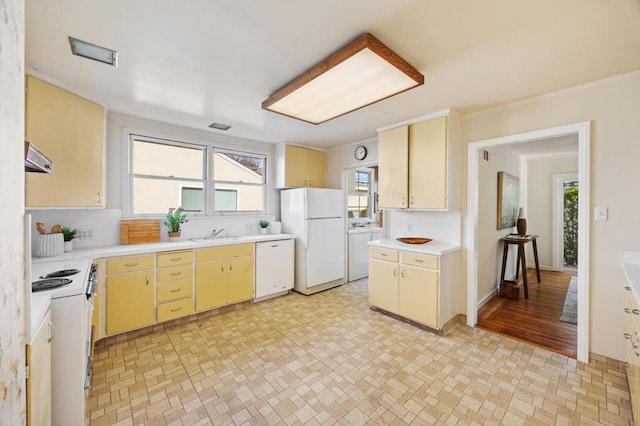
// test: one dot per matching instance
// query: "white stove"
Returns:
(71, 312)
(78, 283)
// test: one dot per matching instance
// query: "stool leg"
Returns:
(535, 256)
(505, 253)
(518, 262)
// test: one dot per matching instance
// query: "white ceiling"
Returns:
(195, 62)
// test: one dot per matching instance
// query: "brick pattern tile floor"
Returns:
(329, 359)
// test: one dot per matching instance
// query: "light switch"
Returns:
(600, 213)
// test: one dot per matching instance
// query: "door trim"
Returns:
(582, 130)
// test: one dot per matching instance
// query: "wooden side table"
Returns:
(520, 241)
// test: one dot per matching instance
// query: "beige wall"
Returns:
(612, 107)
(502, 159)
(539, 193)
(12, 284)
(340, 158)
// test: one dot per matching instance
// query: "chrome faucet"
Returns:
(214, 233)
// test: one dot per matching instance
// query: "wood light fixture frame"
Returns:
(401, 69)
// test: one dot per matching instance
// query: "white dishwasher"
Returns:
(274, 268)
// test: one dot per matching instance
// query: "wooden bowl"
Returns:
(414, 240)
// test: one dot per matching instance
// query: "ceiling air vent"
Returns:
(219, 126)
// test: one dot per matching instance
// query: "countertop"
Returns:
(434, 247)
(631, 268)
(133, 249)
(364, 230)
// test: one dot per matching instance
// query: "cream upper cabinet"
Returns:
(70, 131)
(393, 168)
(428, 164)
(297, 167)
(414, 165)
(39, 379)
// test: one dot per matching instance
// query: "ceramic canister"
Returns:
(48, 245)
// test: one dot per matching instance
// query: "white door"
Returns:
(325, 251)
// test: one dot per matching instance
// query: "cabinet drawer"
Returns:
(420, 259)
(175, 273)
(383, 254)
(174, 290)
(128, 264)
(214, 253)
(183, 257)
(177, 309)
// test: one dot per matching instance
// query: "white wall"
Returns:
(612, 106)
(340, 158)
(489, 246)
(539, 203)
(12, 284)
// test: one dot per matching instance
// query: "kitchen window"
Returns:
(359, 195)
(199, 178)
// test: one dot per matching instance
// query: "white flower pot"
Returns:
(68, 246)
(263, 230)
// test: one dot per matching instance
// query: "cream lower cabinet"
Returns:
(409, 284)
(224, 275)
(39, 378)
(174, 285)
(130, 286)
(632, 336)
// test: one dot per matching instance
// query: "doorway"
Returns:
(581, 130)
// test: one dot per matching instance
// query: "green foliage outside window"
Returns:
(571, 224)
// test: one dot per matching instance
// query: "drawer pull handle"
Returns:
(632, 311)
(175, 290)
(419, 260)
(131, 264)
(627, 310)
(175, 274)
(384, 254)
(176, 309)
(627, 336)
(627, 288)
(175, 259)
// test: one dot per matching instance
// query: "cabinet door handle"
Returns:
(394, 272)
(402, 274)
(99, 197)
(52, 332)
(129, 265)
(412, 200)
(230, 266)
(627, 336)
(627, 288)
(175, 274)
(632, 311)
(176, 310)
(175, 290)
(403, 200)
(175, 259)
(147, 277)
(221, 268)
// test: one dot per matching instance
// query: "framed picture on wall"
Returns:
(508, 200)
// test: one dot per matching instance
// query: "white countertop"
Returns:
(132, 249)
(39, 306)
(631, 268)
(364, 230)
(434, 247)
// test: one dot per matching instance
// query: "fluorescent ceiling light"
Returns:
(92, 51)
(360, 74)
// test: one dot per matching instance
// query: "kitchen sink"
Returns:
(211, 240)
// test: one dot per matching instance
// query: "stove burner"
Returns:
(61, 273)
(49, 283)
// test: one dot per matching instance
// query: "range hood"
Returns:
(35, 161)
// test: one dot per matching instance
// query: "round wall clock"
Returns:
(360, 153)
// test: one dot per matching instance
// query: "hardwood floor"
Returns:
(535, 320)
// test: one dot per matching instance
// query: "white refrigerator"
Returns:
(316, 217)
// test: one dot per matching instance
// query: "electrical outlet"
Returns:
(85, 234)
(249, 227)
(409, 228)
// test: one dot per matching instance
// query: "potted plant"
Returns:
(264, 224)
(175, 218)
(68, 234)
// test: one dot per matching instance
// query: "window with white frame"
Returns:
(199, 178)
(359, 195)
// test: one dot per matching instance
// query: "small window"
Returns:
(239, 182)
(161, 172)
(192, 199)
(359, 195)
